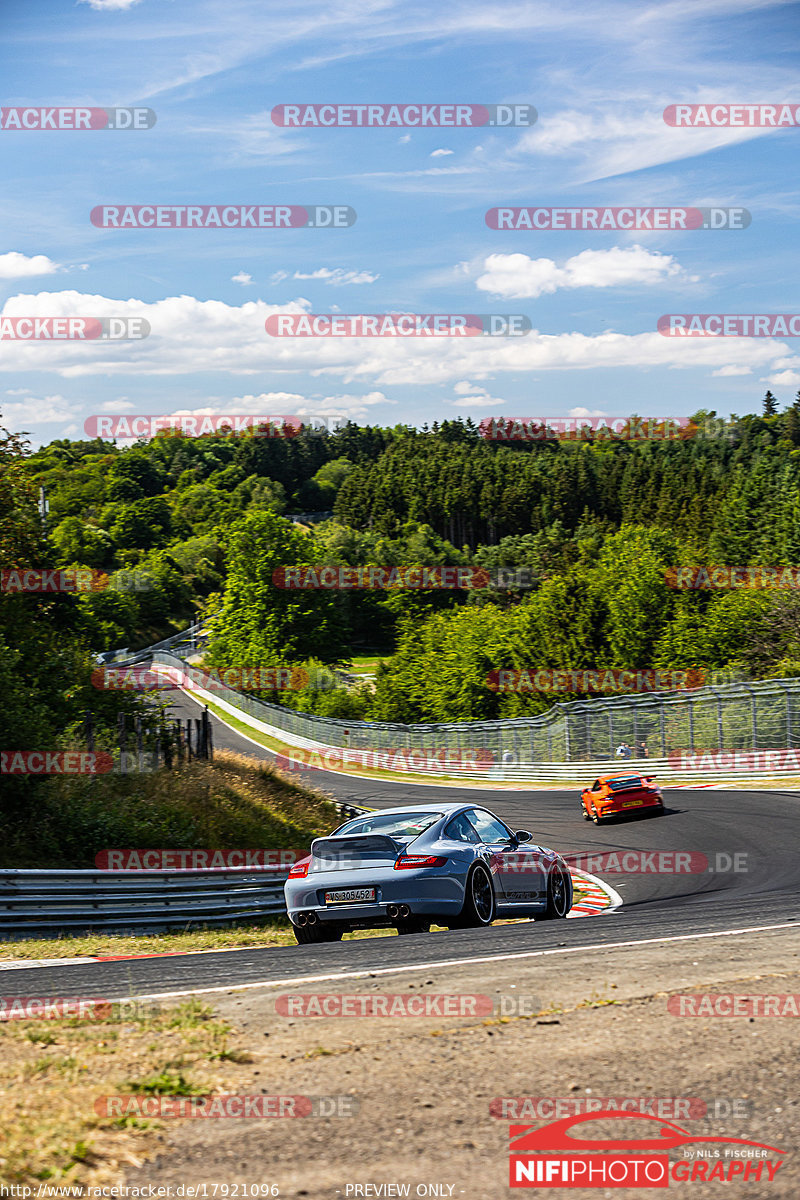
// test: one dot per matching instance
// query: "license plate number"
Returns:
(632, 803)
(350, 896)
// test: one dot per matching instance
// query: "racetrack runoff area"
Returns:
(589, 1024)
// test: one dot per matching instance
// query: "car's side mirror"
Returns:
(522, 835)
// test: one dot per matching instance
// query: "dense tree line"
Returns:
(594, 521)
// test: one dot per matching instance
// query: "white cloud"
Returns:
(109, 5)
(471, 396)
(440, 153)
(517, 277)
(278, 276)
(41, 410)
(19, 266)
(587, 412)
(242, 278)
(404, 139)
(338, 277)
(190, 336)
(727, 372)
(783, 379)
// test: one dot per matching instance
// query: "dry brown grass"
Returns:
(52, 1071)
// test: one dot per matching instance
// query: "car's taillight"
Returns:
(409, 862)
(300, 869)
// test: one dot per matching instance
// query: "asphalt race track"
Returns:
(763, 892)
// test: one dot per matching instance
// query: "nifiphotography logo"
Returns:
(562, 1156)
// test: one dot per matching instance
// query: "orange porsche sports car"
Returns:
(617, 795)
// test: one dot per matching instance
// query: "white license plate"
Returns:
(350, 896)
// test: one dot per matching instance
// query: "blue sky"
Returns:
(599, 74)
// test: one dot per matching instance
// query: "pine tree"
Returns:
(770, 405)
(793, 422)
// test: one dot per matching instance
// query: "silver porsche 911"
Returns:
(446, 864)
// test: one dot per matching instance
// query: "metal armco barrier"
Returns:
(37, 902)
(734, 716)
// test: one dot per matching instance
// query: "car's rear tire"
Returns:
(480, 903)
(320, 931)
(584, 813)
(595, 816)
(559, 889)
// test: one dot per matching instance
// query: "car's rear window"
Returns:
(410, 824)
(620, 785)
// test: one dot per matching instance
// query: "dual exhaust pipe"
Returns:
(395, 912)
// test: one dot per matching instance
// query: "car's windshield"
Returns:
(618, 785)
(406, 824)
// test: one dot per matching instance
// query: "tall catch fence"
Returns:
(735, 716)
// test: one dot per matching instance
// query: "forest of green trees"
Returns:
(595, 522)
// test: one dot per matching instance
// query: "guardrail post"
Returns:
(188, 739)
(207, 747)
(691, 725)
(788, 718)
(167, 747)
(754, 714)
(122, 741)
(198, 738)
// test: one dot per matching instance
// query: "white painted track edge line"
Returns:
(367, 972)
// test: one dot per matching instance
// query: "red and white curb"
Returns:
(599, 897)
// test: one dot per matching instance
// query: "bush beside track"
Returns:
(232, 802)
